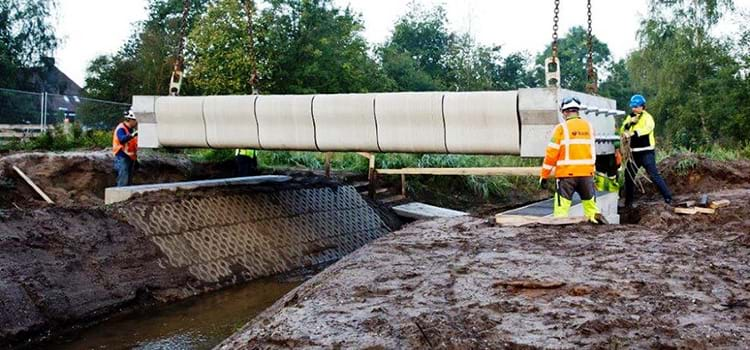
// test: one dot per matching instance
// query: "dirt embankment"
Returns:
(79, 178)
(692, 174)
(667, 282)
(63, 267)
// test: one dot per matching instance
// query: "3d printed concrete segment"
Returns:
(180, 121)
(230, 121)
(496, 122)
(345, 122)
(285, 122)
(479, 121)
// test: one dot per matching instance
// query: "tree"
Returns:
(693, 82)
(311, 46)
(618, 85)
(573, 55)
(219, 50)
(423, 55)
(25, 36)
(143, 65)
(415, 57)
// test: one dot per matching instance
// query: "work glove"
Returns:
(628, 134)
(134, 134)
(542, 183)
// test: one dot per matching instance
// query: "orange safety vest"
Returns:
(130, 148)
(572, 150)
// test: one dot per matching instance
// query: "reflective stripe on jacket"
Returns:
(643, 132)
(130, 148)
(245, 152)
(572, 150)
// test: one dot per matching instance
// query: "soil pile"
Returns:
(686, 174)
(462, 283)
(60, 267)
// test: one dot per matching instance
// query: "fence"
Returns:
(23, 110)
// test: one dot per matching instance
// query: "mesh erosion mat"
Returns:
(222, 235)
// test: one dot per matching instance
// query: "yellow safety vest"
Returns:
(245, 152)
(643, 138)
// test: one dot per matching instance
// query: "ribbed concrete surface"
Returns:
(225, 237)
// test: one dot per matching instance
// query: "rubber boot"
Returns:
(562, 206)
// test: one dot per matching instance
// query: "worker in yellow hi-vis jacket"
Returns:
(246, 161)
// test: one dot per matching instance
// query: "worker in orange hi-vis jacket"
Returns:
(572, 155)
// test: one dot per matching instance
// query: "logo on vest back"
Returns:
(580, 133)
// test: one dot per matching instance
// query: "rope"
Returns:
(631, 168)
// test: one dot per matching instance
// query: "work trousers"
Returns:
(566, 187)
(647, 160)
(246, 166)
(124, 167)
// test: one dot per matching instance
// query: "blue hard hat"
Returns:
(637, 101)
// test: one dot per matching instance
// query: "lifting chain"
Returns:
(176, 81)
(592, 87)
(555, 20)
(249, 11)
(551, 64)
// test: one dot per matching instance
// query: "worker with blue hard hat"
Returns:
(638, 130)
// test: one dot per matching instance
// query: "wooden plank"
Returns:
(392, 199)
(705, 210)
(328, 156)
(377, 191)
(417, 210)
(20, 127)
(686, 204)
(686, 211)
(719, 204)
(33, 185)
(15, 134)
(521, 220)
(403, 185)
(514, 171)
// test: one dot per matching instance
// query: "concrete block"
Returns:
(119, 194)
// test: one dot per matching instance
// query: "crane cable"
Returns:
(249, 7)
(176, 81)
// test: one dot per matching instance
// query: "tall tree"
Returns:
(26, 35)
(692, 80)
(307, 46)
(422, 54)
(219, 50)
(143, 65)
(415, 57)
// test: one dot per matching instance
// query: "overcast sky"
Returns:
(93, 27)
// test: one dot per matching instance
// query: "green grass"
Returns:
(55, 139)
(715, 152)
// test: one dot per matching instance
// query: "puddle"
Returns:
(200, 323)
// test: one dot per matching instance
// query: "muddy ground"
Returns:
(664, 282)
(72, 264)
(64, 267)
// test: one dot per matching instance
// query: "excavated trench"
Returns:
(664, 281)
(72, 264)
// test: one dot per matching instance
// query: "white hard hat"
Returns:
(129, 115)
(570, 103)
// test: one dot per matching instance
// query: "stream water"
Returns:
(198, 323)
